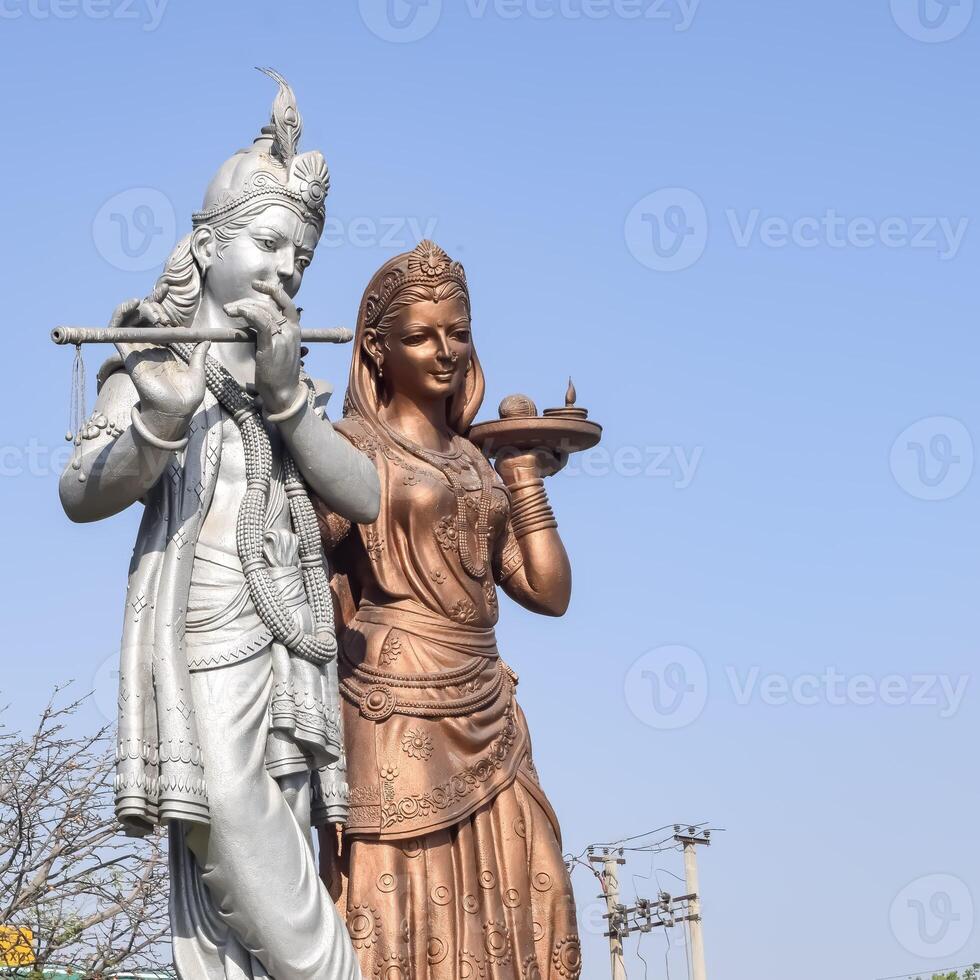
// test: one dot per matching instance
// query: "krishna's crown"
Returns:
(271, 169)
(426, 265)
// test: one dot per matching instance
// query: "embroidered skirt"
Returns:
(487, 899)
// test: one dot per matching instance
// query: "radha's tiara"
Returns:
(428, 265)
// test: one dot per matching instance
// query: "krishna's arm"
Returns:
(116, 466)
(342, 477)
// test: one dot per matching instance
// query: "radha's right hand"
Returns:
(169, 390)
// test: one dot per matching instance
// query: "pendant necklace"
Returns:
(446, 463)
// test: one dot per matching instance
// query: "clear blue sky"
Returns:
(746, 229)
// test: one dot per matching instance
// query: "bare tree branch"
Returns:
(94, 900)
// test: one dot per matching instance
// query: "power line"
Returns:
(946, 969)
(666, 911)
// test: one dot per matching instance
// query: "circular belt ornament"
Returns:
(377, 703)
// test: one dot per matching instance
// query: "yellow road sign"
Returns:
(16, 946)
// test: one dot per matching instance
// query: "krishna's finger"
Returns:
(199, 356)
(151, 312)
(260, 319)
(275, 290)
(129, 353)
(122, 313)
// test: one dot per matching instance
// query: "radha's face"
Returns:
(427, 351)
(275, 246)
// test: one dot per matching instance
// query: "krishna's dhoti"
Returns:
(246, 899)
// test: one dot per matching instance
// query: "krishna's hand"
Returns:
(277, 344)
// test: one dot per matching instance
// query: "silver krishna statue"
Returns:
(229, 722)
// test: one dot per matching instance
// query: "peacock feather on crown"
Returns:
(271, 170)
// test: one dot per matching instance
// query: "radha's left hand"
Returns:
(516, 467)
(277, 344)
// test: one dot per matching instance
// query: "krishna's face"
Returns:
(277, 245)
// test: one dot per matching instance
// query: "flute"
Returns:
(183, 335)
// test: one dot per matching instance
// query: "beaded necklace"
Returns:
(320, 646)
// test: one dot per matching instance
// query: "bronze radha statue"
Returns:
(454, 866)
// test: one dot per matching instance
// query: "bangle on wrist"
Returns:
(531, 511)
(542, 525)
(526, 520)
(297, 406)
(530, 501)
(144, 433)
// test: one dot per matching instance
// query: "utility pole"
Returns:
(690, 842)
(614, 911)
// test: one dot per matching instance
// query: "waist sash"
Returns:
(459, 691)
(412, 617)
